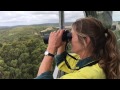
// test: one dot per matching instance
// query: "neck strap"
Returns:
(82, 63)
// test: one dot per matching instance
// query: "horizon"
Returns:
(33, 24)
(40, 24)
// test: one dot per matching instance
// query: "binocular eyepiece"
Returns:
(65, 37)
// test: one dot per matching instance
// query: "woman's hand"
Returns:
(55, 41)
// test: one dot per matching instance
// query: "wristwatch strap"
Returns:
(49, 54)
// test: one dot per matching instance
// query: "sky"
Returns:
(12, 18)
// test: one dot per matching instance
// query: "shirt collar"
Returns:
(84, 62)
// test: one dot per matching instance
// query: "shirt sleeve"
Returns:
(60, 58)
(45, 75)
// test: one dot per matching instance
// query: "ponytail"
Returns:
(111, 56)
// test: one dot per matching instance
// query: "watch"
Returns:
(48, 54)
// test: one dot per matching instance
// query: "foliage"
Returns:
(21, 52)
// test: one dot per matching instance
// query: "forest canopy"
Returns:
(21, 51)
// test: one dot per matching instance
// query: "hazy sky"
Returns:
(11, 18)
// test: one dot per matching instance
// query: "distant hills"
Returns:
(10, 34)
(4, 27)
(45, 24)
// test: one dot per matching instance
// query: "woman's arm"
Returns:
(46, 64)
(55, 41)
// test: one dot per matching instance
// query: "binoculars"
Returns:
(65, 37)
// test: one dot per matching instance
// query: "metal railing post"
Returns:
(61, 19)
(57, 73)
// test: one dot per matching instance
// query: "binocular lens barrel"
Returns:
(66, 37)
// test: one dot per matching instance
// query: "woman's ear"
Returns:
(87, 40)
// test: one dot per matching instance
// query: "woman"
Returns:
(95, 49)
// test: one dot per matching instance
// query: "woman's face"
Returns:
(77, 46)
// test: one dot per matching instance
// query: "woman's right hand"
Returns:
(55, 40)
